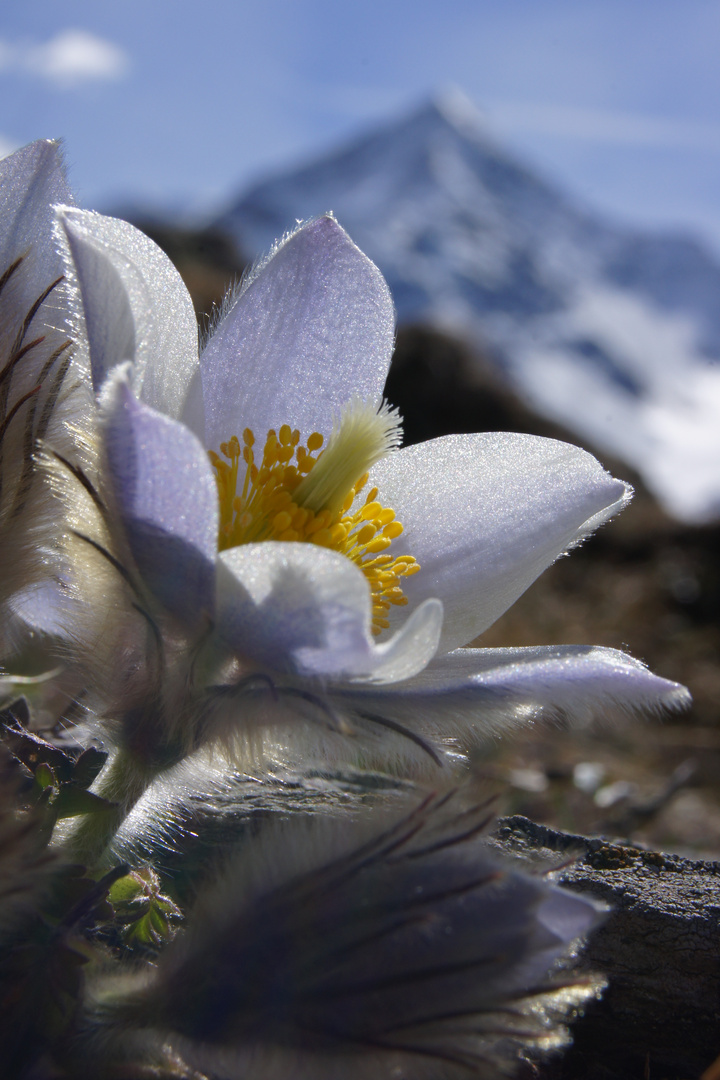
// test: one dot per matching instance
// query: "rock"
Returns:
(659, 948)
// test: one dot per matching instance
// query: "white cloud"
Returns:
(69, 58)
(600, 125)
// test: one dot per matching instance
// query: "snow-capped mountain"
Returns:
(616, 334)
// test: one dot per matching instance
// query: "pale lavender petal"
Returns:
(34, 344)
(135, 307)
(31, 181)
(40, 386)
(47, 606)
(298, 608)
(313, 327)
(477, 693)
(167, 498)
(484, 515)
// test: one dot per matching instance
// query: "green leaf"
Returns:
(126, 889)
(44, 776)
(158, 922)
(72, 801)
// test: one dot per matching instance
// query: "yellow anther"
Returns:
(315, 524)
(370, 509)
(365, 535)
(381, 560)
(281, 500)
(338, 533)
(284, 498)
(393, 530)
(282, 521)
(378, 544)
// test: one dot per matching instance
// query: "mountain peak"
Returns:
(599, 328)
(454, 106)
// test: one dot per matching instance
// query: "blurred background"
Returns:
(540, 184)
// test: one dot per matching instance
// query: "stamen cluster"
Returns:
(266, 504)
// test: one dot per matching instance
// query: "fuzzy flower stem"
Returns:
(122, 782)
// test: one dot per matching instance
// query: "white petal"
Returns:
(478, 693)
(40, 387)
(34, 344)
(298, 608)
(484, 515)
(135, 307)
(313, 327)
(31, 181)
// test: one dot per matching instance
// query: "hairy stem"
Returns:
(123, 780)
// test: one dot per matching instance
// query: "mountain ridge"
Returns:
(614, 332)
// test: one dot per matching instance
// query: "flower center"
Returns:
(297, 492)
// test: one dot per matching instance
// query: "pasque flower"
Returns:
(245, 556)
(279, 583)
(40, 386)
(401, 947)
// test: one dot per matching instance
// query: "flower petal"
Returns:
(39, 385)
(311, 328)
(34, 345)
(483, 692)
(303, 609)
(484, 515)
(31, 181)
(135, 307)
(412, 943)
(167, 498)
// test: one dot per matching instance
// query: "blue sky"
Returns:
(619, 100)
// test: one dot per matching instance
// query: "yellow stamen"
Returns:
(303, 493)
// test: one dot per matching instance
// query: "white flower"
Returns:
(273, 628)
(39, 385)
